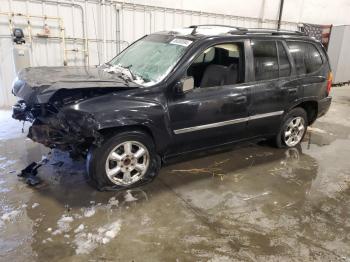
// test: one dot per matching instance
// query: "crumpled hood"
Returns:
(38, 84)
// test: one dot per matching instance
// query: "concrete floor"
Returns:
(253, 203)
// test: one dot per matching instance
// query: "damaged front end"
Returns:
(66, 130)
(50, 105)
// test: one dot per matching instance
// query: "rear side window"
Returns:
(265, 59)
(306, 57)
(284, 64)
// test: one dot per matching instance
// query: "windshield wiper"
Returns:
(131, 73)
(132, 76)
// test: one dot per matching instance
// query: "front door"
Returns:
(210, 116)
(216, 111)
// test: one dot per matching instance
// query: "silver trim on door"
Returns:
(225, 123)
(277, 113)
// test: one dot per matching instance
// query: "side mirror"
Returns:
(184, 85)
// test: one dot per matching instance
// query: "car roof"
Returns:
(197, 32)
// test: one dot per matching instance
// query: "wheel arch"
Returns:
(110, 131)
(157, 140)
(311, 109)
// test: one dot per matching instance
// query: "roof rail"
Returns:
(270, 31)
(289, 33)
(229, 26)
(240, 29)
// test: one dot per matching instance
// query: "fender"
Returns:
(115, 111)
(300, 101)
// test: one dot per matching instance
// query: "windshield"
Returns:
(149, 60)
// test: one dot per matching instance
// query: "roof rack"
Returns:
(269, 31)
(242, 30)
(194, 31)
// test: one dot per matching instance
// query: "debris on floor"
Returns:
(30, 172)
(213, 169)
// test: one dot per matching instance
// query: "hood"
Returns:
(38, 84)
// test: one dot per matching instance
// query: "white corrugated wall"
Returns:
(94, 31)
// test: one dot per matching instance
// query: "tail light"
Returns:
(329, 82)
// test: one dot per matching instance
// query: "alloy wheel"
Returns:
(127, 163)
(294, 131)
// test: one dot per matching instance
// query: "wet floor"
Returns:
(253, 203)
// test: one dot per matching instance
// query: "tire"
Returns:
(126, 167)
(283, 141)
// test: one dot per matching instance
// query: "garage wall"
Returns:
(309, 11)
(94, 31)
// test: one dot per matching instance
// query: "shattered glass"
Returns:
(149, 61)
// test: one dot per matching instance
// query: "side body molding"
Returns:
(228, 122)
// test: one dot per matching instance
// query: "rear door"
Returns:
(291, 86)
(311, 71)
(271, 70)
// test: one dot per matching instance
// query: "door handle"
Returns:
(240, 99)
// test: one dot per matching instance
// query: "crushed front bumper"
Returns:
(51, 137)
(68, 130)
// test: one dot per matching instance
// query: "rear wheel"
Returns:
(125, 160)
(293, 128)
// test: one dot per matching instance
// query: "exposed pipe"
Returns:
(280, 15)
(43, 7)
(83, 17)
(158, 8)
(98, 46)
(117, 17)
(141, 7)
(73, 31)
(59, 20)
(71, 39)
(87, 56)
(262, 13)
(29, 26)
(145, 8)
(103, 26)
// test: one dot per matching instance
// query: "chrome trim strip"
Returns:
(225, 123)
(277, 113)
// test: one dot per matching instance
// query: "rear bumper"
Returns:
(323, 106)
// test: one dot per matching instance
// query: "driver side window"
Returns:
(218, 65)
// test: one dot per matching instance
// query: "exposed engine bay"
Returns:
(50, 104)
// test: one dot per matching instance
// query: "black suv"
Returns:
(174, 92)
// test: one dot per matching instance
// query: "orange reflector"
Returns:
(329, 82)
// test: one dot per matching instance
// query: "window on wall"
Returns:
(306, 57)
(219, 65)
(284, 64)
(265, 60)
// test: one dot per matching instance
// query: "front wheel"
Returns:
(127, 159)
(293, 128)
